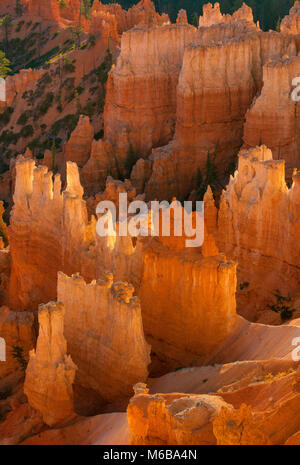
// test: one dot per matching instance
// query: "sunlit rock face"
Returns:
(204, 115)
(50, 372)
(212, 15)
(50, 232)
(173, 418)
(56, 224)
(241, 403)
(141, 94)
(273, 118)
(213, 95)
(290, 23)
(141, 13)
(184, 318)
(258, 226)
(104, 331)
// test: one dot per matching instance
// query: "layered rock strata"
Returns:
(258, 225)
(50, 372)
(104, 331)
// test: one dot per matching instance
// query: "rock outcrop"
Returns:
(212, 15)
(186, 319)
(152, 72)
(50, 372)
(56, 225)
(104, 331)
(42, 216)
(291, 23)
(273, 118)
(173, 418)
(258, 226)
(78, 147)
(18, 332)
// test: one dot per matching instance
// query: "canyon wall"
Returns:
(205, 111)
(50, 372)
(46, 229)
(213, 95)
(141, 93)
(48, 11)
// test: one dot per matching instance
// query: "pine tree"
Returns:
(4, 65)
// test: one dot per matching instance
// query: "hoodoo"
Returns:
(149, 224)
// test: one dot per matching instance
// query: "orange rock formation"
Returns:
(178, 98)
(51, 372)
(104, 331)
(258, 226)
(78, 147)
(17, 330)
(273, 120)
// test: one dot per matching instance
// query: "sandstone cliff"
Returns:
(152, 71)
(212, 15)
(212, 98)
(50, 372)
(154, 265)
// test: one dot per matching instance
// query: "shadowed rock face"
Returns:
(176, 95)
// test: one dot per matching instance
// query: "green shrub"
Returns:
(131, 160)
(45, 104)
(89, 109)
(6, 115)
(27, 131)
(281, 306)
(23, 118)
(18, 354)
(68, 67)
(68, 123)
